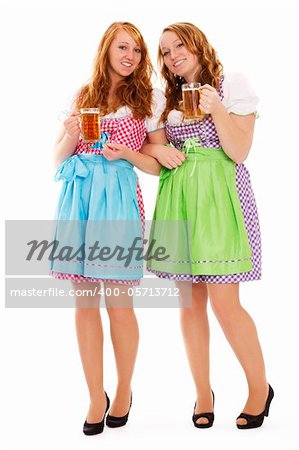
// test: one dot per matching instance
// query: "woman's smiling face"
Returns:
(177, 58)
(124, 55)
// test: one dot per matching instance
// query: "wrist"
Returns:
(159, 150)
(127, 154)
(71, 139)
(150, 150)
(156, 151)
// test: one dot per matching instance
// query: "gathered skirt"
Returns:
(201, 221)
(97, 221)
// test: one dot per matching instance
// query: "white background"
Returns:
(48, 53)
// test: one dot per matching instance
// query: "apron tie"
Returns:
(98, 145)
(70, 168)
(189, 144)
(74, 166)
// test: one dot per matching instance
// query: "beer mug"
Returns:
(191, 97)
(90, 124)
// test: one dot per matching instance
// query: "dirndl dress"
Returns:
(100, 198)
(205, 215)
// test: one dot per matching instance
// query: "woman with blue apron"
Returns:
(100, 211)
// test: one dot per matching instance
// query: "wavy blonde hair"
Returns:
(209, 71)
(134, 91)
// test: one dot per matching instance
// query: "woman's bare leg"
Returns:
(90, 341)
(125, 337)
(196, 334)
(241, 333)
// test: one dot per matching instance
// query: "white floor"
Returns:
(47, 398)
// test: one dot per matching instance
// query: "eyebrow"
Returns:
(124, 42)
(172, 42)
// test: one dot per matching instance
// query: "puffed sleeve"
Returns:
(238, 96)
(159, 102)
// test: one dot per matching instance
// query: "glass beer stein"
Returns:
(90, 124)
(191, 97)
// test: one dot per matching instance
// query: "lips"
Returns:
(178, 63)
(126, 64)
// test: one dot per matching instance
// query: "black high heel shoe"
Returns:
(256, 421)
(209, 416)
(96, 428)
(115, 422)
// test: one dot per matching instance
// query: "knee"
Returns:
(194, 297)
(87, 313)
(197, 307)
(121, 315)
(223, 309)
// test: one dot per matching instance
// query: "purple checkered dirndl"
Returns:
(206, 132)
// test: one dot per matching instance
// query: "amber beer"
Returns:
(191, 97)
(90, 124)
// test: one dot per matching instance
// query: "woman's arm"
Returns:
(144, 162)
(67, 139)
(235, 131)
(168, 157)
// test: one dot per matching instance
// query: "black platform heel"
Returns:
(115, 422)
(209, 416)
(256, 421)
(96, 428)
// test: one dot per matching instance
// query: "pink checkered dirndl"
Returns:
(207, 134)
(130, 132)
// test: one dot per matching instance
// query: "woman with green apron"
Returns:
(206, 216)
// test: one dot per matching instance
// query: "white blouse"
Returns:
(238, 96)
(151, 123)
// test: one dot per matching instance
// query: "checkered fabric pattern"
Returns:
(127, 130)
(130, 132)
(204, 130)
(82, 279)
(177, 135)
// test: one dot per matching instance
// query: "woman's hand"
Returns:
(67, 139)
(72, 126)
(169, 157)
(209, 99)
(113, 151)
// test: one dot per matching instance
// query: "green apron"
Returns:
(198, 217)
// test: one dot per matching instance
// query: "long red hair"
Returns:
(209, 70)
(135, 91)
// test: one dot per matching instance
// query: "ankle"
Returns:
(97, 397)
(258, 389)
(203, 391)
(123, 389)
